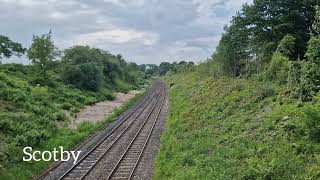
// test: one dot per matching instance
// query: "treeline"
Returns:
(80, 66)
(276, 39)
(165, 67)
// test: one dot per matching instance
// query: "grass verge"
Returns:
(226, 128)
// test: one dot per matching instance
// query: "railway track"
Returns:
(129, 160)
(125, 142)
(126, 115)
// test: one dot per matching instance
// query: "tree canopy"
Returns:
(9, 48)
(256, 31)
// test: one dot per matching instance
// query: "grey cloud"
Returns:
(144, 31)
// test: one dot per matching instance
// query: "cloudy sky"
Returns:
(143, 31)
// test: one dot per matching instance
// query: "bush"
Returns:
(313, 122)
(309, 80)
(85, 76)
(287, 45)
(278, 69)
(313, 53)
(264, 91)
(294, 79)
(39, 93)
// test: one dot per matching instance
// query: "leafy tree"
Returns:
(182, 62)
(164, 68)
(9, 48)
(42, 51)
(257, 30)
(113, 68)
(86, 76)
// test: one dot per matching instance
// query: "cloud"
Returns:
(144, 31)
(116, 36)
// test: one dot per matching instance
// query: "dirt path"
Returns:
(101, 110)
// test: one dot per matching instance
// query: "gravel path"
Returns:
(101, 110)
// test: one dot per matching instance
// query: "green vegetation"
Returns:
(36, 101)
(9, 48)
(252, 111)
(230, 128)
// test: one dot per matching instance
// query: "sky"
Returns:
(143, 31)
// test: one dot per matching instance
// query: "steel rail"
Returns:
(109, 134)
(134, 140)
(107, 150)
(86, 141)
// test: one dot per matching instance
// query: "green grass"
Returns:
(227, 128)
(30, 114)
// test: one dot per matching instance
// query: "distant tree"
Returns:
(191, 63)
(9, 48)
(152, 69)
(164, 68)
(182, 62)
(42, 51)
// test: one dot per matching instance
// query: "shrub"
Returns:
(85, 76)
(313, 53)
(309, 80)
(263, 91)
(39, 93)
(278, 68)
(293, 82)
(286, 46)
(313, 122)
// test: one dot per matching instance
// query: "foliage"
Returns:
(313, 122)
(164, 68)
(316, 23)
(264, 91)
(278, 69)
(108, 68)
(42, 51)
(9, 48)
(309, 80)
(313, 53)
(255, 32)
(85, 76)
(231, 128)
(35, 115)
(286, 46)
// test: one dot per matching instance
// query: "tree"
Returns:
(42, 51)
(313, 53)
(9, 48)
(86, 76)
(164, 68)
(256, 31)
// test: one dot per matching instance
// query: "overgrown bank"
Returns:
(37, 100)
(252, 111)
(227, 128)
(30, 115)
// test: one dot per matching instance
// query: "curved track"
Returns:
(122, 148)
